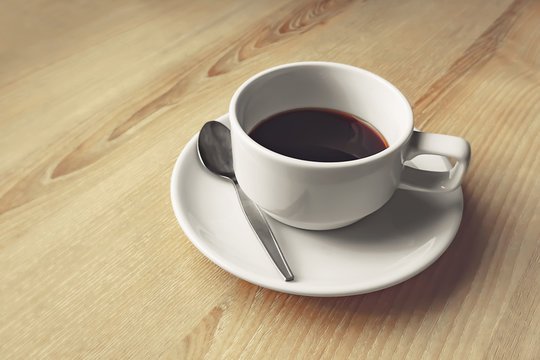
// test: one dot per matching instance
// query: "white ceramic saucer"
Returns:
(390, 246)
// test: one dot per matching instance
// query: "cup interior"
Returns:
(325, 85)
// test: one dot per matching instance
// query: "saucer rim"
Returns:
(292, 287)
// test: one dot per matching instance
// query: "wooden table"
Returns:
(97, 100)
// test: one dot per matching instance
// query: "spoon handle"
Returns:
(260, 226)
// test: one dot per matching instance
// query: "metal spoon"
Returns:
(214, 148)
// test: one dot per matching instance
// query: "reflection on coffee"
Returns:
(318, 134)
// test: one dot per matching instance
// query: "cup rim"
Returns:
(235, 125)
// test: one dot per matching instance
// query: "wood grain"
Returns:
(98, 98)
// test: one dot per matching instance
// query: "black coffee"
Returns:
(318, 135)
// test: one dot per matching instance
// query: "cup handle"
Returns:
(437, 144)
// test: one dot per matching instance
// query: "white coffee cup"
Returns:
(328, 195)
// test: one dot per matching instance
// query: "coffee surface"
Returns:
(317, 134)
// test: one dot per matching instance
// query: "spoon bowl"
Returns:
(214, 146)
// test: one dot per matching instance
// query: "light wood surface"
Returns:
(97, 99)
